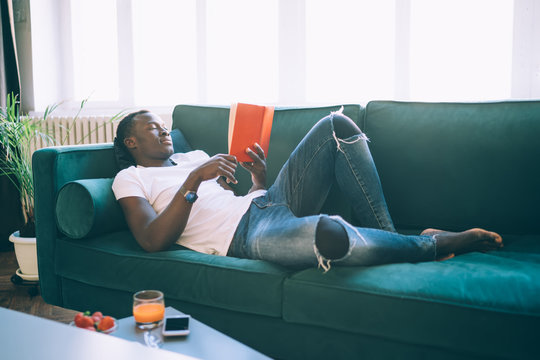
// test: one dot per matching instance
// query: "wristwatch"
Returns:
(190, 196)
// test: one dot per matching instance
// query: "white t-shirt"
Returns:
(214, 216)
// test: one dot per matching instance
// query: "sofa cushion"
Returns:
(458, 165)
(115, 261)
(180, 143)
(86, 208)
(486, 301)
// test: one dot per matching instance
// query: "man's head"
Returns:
(142, 139)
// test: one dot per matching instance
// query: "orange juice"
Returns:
(148, 313)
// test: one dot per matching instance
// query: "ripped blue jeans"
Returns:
(280, 226)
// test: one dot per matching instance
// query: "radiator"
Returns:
(83, 130)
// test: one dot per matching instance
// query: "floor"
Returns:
(26, 298)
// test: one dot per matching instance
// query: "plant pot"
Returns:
(26, 253)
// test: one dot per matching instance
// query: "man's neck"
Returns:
(156, 163)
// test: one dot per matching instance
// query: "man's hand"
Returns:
(223, 183)
(257, 167)
(217, 165)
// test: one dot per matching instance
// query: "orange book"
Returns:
(249, 124)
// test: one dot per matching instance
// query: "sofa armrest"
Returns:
(52, 168)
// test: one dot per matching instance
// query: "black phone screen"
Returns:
(176, 323)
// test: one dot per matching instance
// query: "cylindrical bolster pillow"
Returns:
(87, 208)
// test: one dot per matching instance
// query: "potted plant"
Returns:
(17, 133)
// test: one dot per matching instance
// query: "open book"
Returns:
(249, 124)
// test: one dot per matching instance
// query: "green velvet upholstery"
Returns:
(447, 165)
(180, 273)
(52, 168)
(87, 208)
(467, 290)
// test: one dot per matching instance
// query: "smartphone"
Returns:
(177, 325)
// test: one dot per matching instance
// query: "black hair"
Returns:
(124, 159)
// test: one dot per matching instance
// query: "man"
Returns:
(180, 198)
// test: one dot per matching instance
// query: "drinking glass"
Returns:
(148, 309)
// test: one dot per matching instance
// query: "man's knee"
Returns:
(331, 238)
(344, 126)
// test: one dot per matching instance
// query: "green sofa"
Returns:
(446, 165)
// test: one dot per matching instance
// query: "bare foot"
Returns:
(450, 243)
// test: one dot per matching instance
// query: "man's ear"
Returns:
(130, 142)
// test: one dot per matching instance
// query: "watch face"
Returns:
(191, 197)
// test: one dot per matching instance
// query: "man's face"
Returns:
(150, 138)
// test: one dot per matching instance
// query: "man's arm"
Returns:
(156, 232)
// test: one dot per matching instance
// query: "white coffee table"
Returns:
(27, 337)
(203, 341)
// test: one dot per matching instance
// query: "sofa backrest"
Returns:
(206, 128)
(458, 165)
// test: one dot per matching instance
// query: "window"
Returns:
(461, 50)
(164, 52)
(95, 50)
(241, 51)
(350, 50)
(140, 53)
